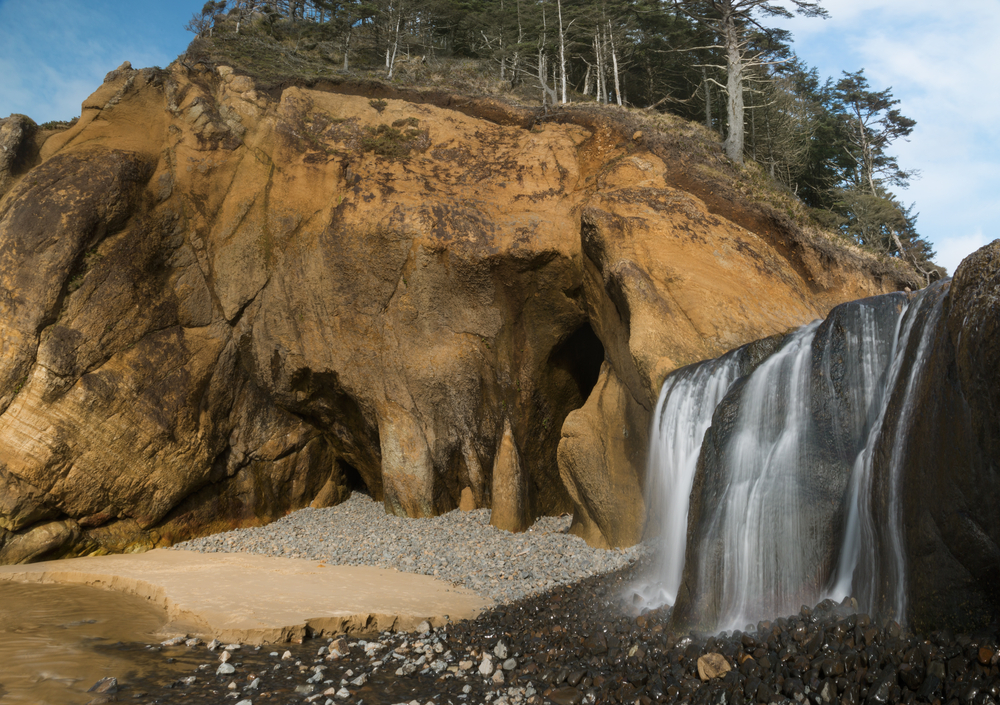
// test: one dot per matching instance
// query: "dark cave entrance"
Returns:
(572, 370)
(350, 477)
(580, 356)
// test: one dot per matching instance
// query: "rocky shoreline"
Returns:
(459, 547)
(577, 645)
(576, 642)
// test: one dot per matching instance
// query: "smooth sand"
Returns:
(239, 597)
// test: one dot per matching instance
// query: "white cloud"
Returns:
(939, 59)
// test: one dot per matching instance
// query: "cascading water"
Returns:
(872, 562)
(783, 513)
(759, 519)
(683, 414)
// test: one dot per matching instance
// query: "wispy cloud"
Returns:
(54, 53)
(939, 59)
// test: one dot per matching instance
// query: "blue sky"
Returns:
(938, 57)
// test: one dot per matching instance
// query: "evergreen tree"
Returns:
(732, 20)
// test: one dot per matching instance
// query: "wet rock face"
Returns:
(222, 304)
(951, 472)
(844, 383)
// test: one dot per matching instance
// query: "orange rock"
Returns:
(218, 305)
(712, 666)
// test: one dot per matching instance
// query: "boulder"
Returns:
(712, 665)
(38, 541)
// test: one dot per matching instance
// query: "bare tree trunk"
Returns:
(586, 81)
(614, 61)
(708, 98)
(602, 92)
(503, 59)
(347, 48)
(562, 51)
(548, 94)
(390, 61)
(734, 87)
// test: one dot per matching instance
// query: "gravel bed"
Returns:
(459, 547)
(579, 645)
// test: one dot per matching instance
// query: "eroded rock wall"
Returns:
(221, 303)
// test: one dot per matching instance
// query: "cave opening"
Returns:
(580, 355)
(351, 478)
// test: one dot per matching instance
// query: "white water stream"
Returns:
(807, 415)
(683, 414)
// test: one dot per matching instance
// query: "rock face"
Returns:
(219, 303)
(926, 412)
(951, 468)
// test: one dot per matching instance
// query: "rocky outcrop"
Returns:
(900, 435)
(222, 301)
(511, 508)
(16, 132)
(951, 466)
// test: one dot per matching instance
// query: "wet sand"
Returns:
(255, 599)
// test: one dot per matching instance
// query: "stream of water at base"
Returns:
(56, 641)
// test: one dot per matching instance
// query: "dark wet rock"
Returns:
(545, 635)
(952, 467)
(565, 696)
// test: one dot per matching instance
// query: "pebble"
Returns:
(459, 547)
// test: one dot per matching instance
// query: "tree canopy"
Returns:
(716, 61)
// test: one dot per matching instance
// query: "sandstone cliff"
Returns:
(221, 301)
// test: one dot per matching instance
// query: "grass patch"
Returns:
(395, 141)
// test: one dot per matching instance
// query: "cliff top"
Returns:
(298, 56)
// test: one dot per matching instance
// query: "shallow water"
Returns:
(56, 641)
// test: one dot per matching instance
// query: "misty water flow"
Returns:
(683, 414)
(794, 522)
(872, 560)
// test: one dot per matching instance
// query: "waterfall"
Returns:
(683, 414)
(789, 507)
(764, 541)
(872, 563)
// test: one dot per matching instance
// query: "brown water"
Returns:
(56, 641)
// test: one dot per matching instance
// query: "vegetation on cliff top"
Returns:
(814, 152)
